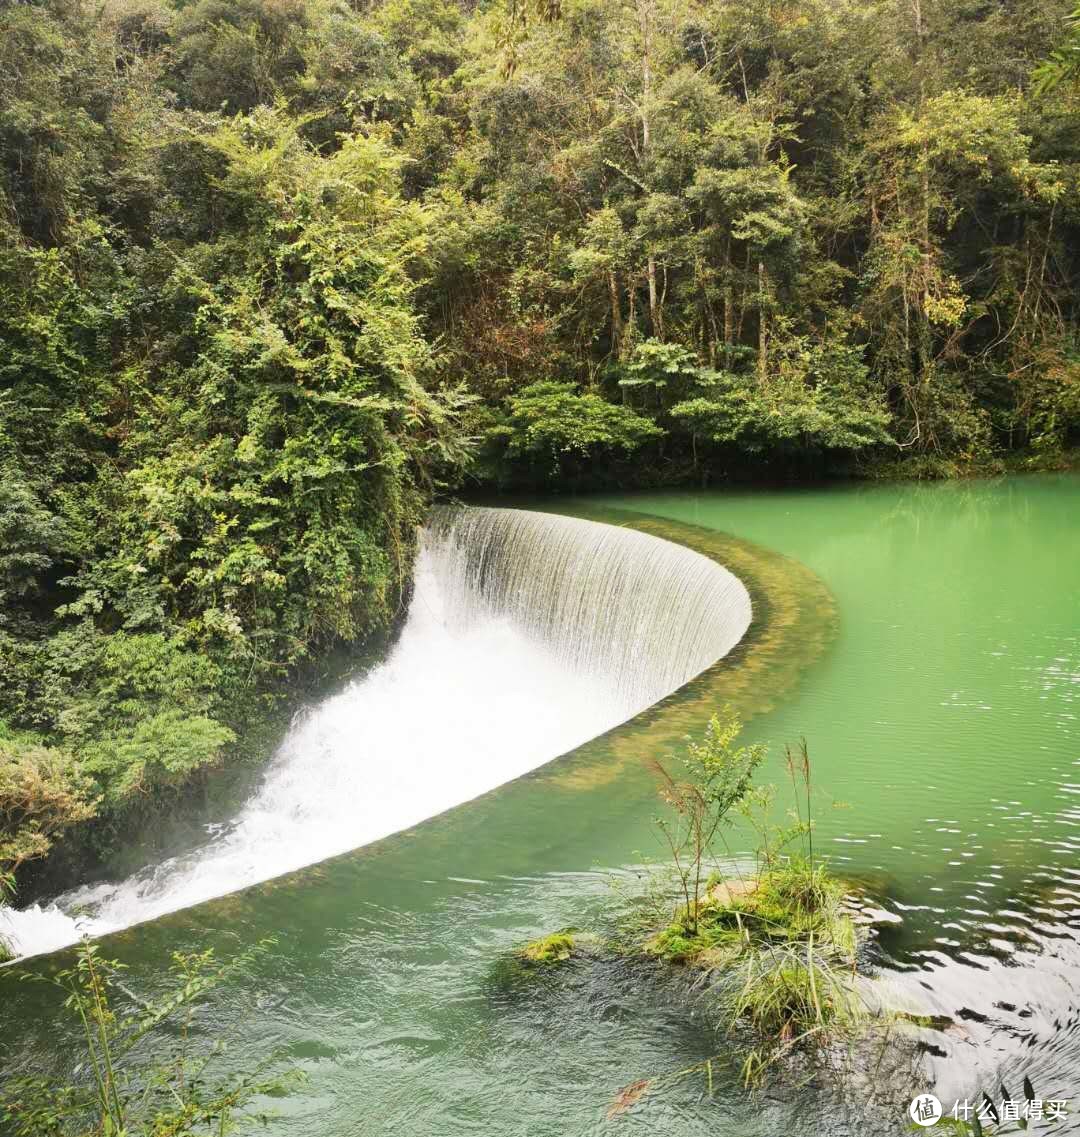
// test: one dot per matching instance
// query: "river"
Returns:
(938, 694)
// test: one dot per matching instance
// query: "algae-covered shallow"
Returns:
(929, 653)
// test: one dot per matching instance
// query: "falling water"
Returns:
(513, 613)
(644, 613)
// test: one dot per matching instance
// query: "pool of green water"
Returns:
(941, 717)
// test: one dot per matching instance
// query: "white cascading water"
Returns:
(512, 613)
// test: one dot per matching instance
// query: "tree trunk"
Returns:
(616, 317)
(654, 311)
(645, 18)
(740, 309)
(729, 304)
(924, 333)
(763, 325)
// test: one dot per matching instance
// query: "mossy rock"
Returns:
(556, 948)
(790, 905)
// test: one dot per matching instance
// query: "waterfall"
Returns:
(512, 613)
(644, 613)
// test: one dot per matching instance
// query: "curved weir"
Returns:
(643, 613)
(527, 635)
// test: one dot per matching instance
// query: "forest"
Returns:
(276, 274)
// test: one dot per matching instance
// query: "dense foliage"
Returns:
(270, 269)
(790, 235)
(218, 428)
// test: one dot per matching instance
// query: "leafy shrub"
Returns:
(114, 1092)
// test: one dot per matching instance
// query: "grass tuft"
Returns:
(779, 952)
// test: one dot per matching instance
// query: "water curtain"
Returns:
(609, 601)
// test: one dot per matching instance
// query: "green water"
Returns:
(941, 717)
(945, 713)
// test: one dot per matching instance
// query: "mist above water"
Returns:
(527, 634)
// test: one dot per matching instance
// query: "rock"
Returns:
(874, 917)
(727, 891)
(867, 915)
